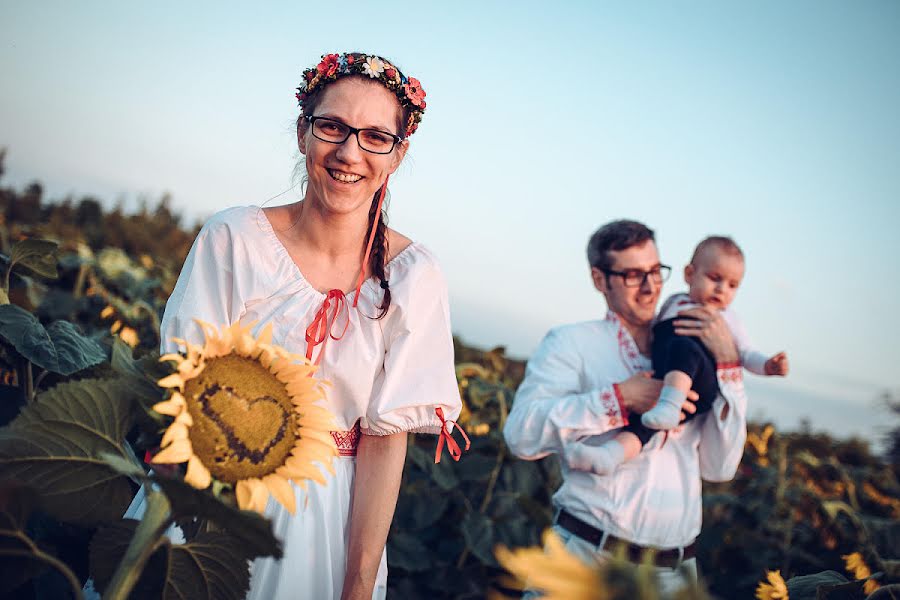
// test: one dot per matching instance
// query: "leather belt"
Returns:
(669, 557)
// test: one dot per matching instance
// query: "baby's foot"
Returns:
(667, 412)
(601, 460)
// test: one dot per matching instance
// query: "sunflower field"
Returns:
(82, 290)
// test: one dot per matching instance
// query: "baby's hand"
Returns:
(778, 365)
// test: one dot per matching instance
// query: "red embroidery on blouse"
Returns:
(610, 403)
(347, 441)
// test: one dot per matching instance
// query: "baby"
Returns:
(683, 362)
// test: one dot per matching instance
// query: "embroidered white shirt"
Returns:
(569, 394)
(751, 359)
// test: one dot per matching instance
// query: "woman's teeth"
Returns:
(344, 177)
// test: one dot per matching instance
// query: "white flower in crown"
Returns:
(374, 67)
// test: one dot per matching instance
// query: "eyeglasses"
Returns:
(370, 140)
(635, 277)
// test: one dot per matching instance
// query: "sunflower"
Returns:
(775, 589)
(558, 573)
(246, 414)
(856, 565)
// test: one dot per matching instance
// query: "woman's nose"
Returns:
(349, 151)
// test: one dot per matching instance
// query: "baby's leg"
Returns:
(667, 412)
(603, 459)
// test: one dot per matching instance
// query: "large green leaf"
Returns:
(406, 551)
(20, 557)
(211, 566)
(59, 348)
(55, 445)
(39, 256)
(478, 531)
(253, 531)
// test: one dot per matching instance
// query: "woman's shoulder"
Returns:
(410, 262)
(236, 218)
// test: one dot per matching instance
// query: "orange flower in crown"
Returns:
(334, 66)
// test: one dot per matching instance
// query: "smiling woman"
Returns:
(361, 301)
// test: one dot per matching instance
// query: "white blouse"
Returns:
(389, 374)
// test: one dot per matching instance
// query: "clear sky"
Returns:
(774, 122)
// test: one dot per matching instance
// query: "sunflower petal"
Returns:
(252, 494)
(174, 380)
(282, 491)
(178, 451)
(197, 474)
(176, 431)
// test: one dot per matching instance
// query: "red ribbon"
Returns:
(445, 437)
(365, 261)
(319, 330)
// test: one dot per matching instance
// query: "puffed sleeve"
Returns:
(419, 375)
(209, 288)
(725, 427)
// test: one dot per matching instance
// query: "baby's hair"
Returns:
(721, 242)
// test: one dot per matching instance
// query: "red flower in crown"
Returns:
(350, 59)
(308, 75)
(414, 92)
(328, 66)
(390, 72)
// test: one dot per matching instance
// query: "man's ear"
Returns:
(599, 279)
(688, 273)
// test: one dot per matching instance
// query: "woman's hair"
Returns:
(378, 256)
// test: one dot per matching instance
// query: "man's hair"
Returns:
(723, 243)
(617, 235)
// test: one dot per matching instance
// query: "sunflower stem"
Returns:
(154, 523)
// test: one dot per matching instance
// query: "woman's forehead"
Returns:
(360, 103)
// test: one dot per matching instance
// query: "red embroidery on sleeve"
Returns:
(730, 372)
(611, 405)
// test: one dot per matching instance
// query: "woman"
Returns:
(361, 300)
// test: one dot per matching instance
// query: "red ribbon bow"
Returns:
(445, 437)
(319, 330)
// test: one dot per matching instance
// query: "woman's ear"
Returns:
(398, 154)
(301, 139)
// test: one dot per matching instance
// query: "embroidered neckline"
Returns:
(628, 349)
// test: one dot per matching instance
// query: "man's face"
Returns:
(634, 305)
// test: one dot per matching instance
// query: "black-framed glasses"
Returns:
(335, 132)
(636, 277)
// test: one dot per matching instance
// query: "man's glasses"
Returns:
(370, 140)
(636, 277)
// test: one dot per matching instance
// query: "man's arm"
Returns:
(552, 407)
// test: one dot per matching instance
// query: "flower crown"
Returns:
(334, 66)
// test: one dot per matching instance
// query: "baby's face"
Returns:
(714, 277)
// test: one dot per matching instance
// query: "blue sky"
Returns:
(773, 122)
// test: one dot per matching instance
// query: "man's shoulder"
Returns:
(582, 334)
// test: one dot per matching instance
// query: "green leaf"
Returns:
(20, 557)
(56, 443)
(38, 256)
(4, 297)
(805, 587)
(60, 348)
(406, 551)
(252, 530)
(478, 531)
(210, 566)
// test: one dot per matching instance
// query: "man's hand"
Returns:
(778, 365)
(709, 327)
(640, 393)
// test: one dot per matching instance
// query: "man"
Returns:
(588, 379)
